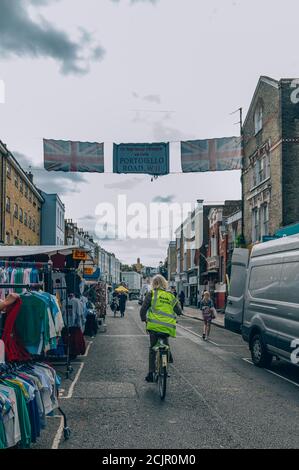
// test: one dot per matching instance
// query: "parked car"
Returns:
(264, 299)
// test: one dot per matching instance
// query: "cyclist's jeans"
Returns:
(152, 354)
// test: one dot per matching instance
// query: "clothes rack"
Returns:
(12, 366)
(69, 368)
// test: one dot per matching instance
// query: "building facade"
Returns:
(77, 236)
(219, 254)
(271, 159)
(52, 221)
(171, 263)
(20, 203)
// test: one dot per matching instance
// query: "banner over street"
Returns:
(152, 159)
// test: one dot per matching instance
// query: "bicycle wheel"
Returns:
(162, 381)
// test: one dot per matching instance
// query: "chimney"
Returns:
(30, 176)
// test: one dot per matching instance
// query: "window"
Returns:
(237, 282)
(261, 170)
(30, 196)
(25, 219)
(7, 236)
(289, 291)
(7, 204)
(16, 180)
(26, 191)
(264, 281)
(255, 225)
(16, 211)
(21, 215)
(21, 186)
(8, 171)
(264, 219)
(30, 222)
(34, 201)
(214, 250)
(258, 119)
(33, 225)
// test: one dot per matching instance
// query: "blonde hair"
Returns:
(207, 294)
(159, 282)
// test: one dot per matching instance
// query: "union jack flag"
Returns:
(211, 154)
(61, 155)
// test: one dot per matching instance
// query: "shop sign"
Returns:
(80, 255)
(193, 280)
(88, 271)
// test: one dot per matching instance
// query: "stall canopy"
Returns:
(20, 251)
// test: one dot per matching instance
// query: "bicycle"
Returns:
(161, 373)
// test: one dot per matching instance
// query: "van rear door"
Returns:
(235, 300)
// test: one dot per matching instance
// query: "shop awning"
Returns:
(20, 251)
(288, 230)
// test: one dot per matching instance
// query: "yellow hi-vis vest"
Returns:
(161, 317)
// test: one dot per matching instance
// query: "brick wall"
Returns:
(289, 92)
(268, 95)
(31, 206)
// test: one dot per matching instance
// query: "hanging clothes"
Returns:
(14, 348)
(75, 340)
(27, 395)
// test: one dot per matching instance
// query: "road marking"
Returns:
(196, 334)
(71, 390)
(273, 373)
(87, 349)
(58, 435)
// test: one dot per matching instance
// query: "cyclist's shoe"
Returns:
(150, 377)
(204, 337)
(170, 359)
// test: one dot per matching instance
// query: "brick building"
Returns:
(20, 203)
(218, 254)
(271, 159)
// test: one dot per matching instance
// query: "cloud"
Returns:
(60, 183)
(164, 199)
(88, 217)
(139, 1)
(129, 183)
(153, 99)
(162, 132)
(22, 37)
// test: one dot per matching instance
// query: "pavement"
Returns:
(194, 312)
(216, 398)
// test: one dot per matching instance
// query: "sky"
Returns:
(136, 71)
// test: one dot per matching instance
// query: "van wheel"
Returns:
(259, 353)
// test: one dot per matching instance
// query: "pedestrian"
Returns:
(174, 292)
(159, 311)
(122, 300)
(207, 308)
(182, 299)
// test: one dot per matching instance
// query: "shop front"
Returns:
(193, 290)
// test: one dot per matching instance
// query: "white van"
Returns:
(264, 298)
